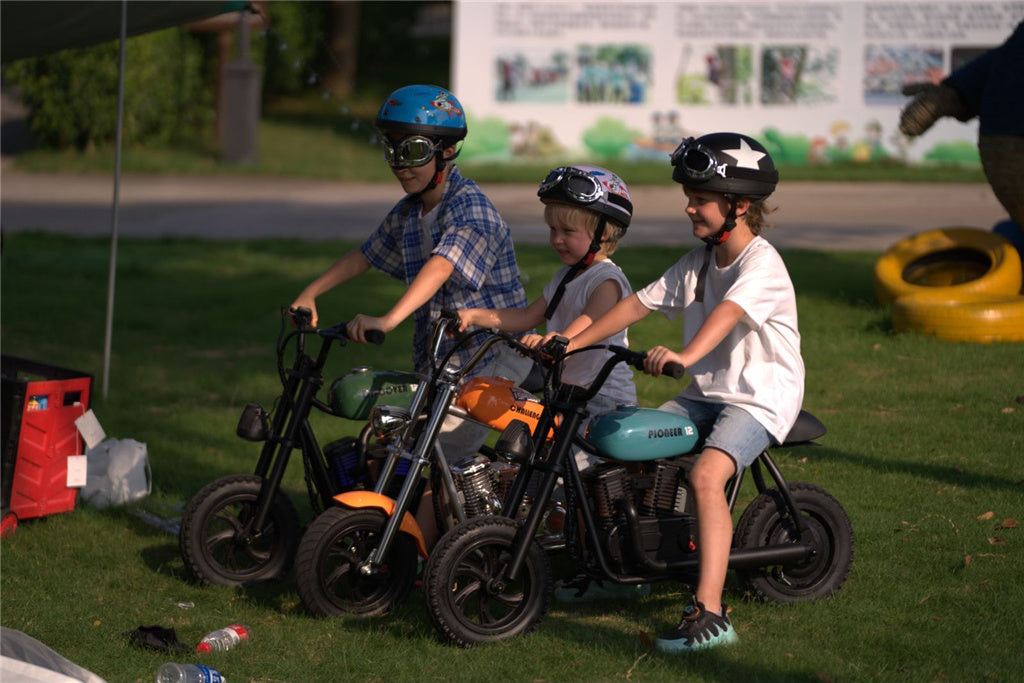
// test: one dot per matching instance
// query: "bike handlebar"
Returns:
(303, 317)
(555, 350)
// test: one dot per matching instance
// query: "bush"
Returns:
(72, 94)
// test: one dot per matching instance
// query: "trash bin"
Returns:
(40, 405)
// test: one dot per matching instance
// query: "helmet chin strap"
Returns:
(730, 222)
(577, 268)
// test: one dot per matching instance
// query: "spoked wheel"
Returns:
(766, 521)
(469, 598)
(217, 544)
(332, 550)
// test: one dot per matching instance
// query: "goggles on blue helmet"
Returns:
(570, 184)
(409, 152)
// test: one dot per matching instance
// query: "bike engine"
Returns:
(481, 484)
(662, 526)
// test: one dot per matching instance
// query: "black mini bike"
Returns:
(241, 528)
(490, 578)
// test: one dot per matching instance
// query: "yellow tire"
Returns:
(952, 260)
(959, 316)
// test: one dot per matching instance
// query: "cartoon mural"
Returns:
(821, 81)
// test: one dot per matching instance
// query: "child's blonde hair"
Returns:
(573, 214)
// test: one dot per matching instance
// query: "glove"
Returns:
(931, 102)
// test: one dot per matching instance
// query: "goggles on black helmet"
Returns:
(409, 152)
(572, 184)
(696, 160)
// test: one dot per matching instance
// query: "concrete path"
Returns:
(828, 216)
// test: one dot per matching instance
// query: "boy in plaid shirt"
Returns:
(444, 239)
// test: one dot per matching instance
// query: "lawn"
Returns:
(923, 451)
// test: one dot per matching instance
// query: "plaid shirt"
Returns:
(469, 232)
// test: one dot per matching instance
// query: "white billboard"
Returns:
(815, 81)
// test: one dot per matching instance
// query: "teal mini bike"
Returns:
(490, 578)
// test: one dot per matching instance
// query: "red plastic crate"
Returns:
(41, 404)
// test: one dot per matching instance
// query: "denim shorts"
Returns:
(726, 427)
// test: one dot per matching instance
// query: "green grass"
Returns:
(923, 451)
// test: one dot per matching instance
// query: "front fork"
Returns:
(420, 460)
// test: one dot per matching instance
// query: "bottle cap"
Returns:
(203, 648)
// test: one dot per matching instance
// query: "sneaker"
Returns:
(698, 630)
(582, 589)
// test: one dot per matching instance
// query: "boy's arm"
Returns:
(506, 319)
(716, 327)
(349, 266)
(435, 272)
(621, 316)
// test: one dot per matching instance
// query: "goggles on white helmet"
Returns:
(570, 183)
(409, 152)
(596, 188)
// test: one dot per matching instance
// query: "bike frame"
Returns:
(440, 392)
(570, 402)
(291, 428)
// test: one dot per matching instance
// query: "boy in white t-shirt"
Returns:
(741, 346)
(588, 210)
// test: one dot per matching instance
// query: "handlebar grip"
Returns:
(301, 315)
(673, 370)
(375, 336)
(450, 314)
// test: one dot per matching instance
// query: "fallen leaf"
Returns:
(967, 560)
(790, 655)
(823, 677)
(987, 515)
(1007, 411)
(995, 540)
(97, 622)
(645, 638)
(1009, 523)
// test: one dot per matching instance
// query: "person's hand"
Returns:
(931, 102)
(305, 302)
(466, 318)
(532, 340)
(657, 358)
(547, 337)
(358, 326)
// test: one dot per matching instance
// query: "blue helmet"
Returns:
(424, 109)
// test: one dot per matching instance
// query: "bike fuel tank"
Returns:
(353, 394)
(496, 401)
(637, 434)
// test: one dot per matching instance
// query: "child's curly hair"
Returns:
(755, 216)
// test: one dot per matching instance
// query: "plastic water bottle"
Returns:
(223, 638)
(172, 672)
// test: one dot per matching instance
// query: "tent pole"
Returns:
(112, 276)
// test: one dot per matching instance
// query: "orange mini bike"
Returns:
(360, 556)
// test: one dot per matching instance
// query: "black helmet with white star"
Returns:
(730, 163)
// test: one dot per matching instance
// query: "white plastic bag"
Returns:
(118, 473)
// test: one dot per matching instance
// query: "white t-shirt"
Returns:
(758, 366)
(582, 368)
